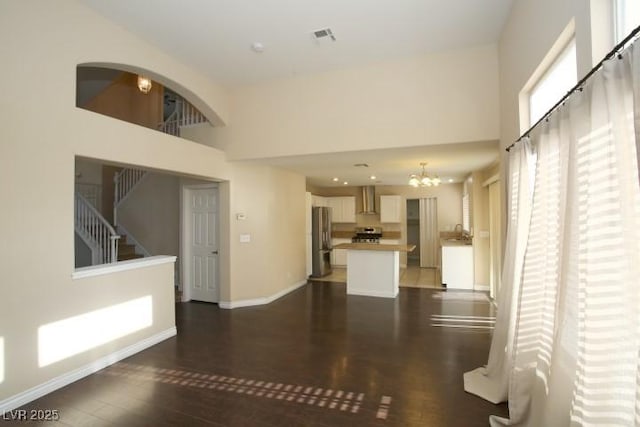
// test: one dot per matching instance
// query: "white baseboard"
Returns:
(368, 293)
(54, 384)
(482, 288)
(260, 301)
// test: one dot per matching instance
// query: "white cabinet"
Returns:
(318, 200)
(336, 209)
(457, 266)
(390, 209)
(339, 256)
(343, 209)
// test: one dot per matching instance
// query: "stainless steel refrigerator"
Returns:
(321, 241)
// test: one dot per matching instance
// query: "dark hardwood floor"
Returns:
(315, 357)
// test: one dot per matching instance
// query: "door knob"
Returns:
(214, 252)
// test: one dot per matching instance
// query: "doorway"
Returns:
(413, 231)
(428, 211)
(422, 231)
(200, 241)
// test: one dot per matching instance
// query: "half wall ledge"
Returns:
(133, 264)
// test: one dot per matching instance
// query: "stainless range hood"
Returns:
(368, 200)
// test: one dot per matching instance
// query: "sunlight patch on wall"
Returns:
(1, 360)
(65, 338)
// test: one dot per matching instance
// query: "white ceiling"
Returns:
(393, 166)
(215, 37)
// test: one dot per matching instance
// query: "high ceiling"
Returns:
(216, 37)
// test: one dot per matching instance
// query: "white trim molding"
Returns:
(132, 264)
(54, 384)
(260, 301)
(481, 288)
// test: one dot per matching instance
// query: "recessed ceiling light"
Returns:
(450, 179)
(335, 179)
(257, 47)
(345, 183)
(372, 177)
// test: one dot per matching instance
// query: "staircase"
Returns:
(105, 243)
(124, 182)
(126, 250)
(184, 114)
(95, 231)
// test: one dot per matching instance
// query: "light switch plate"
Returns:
(245, 238)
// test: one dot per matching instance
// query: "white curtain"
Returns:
(492, 382)
(429, 232)
(576, 342)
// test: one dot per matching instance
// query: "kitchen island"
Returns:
(373, 269)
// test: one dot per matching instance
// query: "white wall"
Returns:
(151, 213)
(88, 172)
(42, 132)
(273, 202)
(434, 99)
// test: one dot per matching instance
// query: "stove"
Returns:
(367, 235)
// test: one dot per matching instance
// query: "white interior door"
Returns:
(203, 250)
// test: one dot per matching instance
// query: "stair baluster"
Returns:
(124, 181)
(96, 232)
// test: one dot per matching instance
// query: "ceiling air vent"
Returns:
(323, 33)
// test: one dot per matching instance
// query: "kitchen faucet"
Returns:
(456, 229)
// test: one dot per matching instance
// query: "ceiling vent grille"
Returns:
(324, 33)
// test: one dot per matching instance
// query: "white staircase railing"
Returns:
(185, 114)
(172, 124)
(190, 115)
(92, 193)
(124, 181)
(96, 232)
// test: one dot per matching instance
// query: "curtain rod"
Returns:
(578, 85)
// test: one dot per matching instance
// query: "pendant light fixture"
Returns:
(424, 179)
(144, 84)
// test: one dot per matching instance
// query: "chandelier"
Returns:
(424, 179)
(144, 84)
